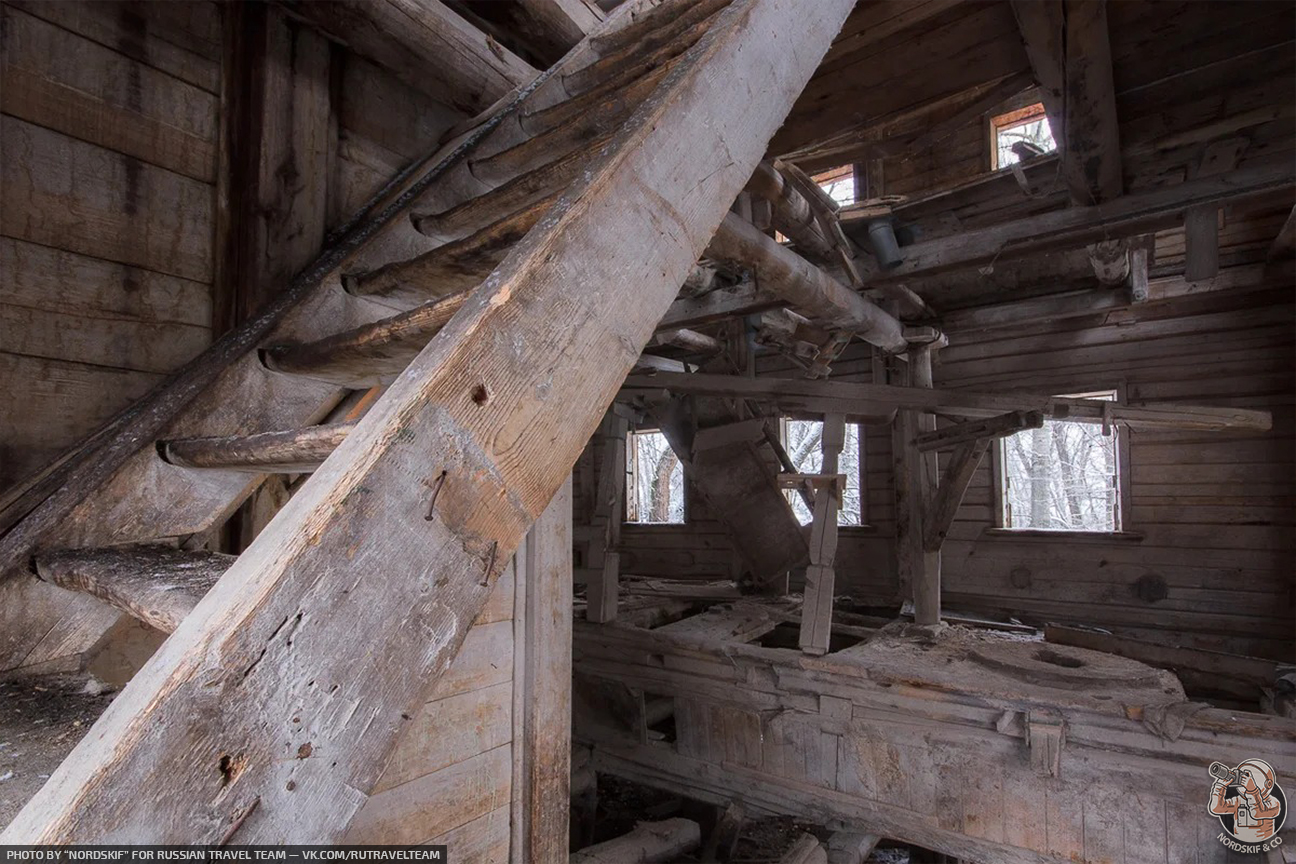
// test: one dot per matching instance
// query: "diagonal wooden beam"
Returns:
(424, 43)
(995, 427)
(1069, 49)
(949, 494)
(277, 700)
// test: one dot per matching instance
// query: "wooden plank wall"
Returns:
(109, 127)
(1215, 510)
(449, 780)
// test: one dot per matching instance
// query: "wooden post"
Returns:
(816, 613)
(605, 559)
(915, 482)
(541, 796)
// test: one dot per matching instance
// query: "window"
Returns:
(1020, 132)
(802, 439)
(1063, 476)
(655, 485)
(839, 183)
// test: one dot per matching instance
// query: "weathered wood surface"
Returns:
(121, 492)
(425, 44)
(816, 613)
(1067, 42)
(497, 413)
(968, 431)
(727, 470)
(949, 494)
(648, 842)
(542, 791)
(803, 285)
(892, 739)
(604, 554)
(292, 451)
(158, 585)
(1126, 216)
(866, 399)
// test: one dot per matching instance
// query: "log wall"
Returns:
(119, 159)
(109, 128)
(1211, 515)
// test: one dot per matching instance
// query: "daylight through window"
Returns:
(839, 183)
(802, 439)
(655, 485)
(1021, 134)
(1061, 477)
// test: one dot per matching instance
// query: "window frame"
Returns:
(1024, 112)
(631, 479)
(861, 465)
(1124, 528)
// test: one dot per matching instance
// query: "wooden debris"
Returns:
(806, 850)
(648, 842)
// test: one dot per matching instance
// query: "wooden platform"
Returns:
(992, 747)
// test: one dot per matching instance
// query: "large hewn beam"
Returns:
(425, 44)
(799, 394)
(1126, 216)
(811, 290)
(275, 703)
(1068, 46)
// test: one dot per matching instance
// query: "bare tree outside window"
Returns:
(803, 441)
(1028, 128)
(839, 183)
(655, 485)
(1061, 477)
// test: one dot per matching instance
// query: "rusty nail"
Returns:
(436, 490)
(490, 565)
(238, 823)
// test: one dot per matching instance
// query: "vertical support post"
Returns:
(916, 478)
(816, 612)
(927, 573)
(541, 782)
(605, 557)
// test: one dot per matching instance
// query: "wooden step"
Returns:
(457, 266)
(292, 451)
(156, 584)
(368, 355)
(537, 186)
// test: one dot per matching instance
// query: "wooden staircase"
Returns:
(526, 264)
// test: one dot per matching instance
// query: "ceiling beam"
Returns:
(852, 399)
(423, 43)
(1076, 227)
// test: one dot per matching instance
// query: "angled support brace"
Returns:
(949, 495)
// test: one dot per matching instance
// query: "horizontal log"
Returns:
(806, 287)
(793, 215)
(873, 399)
(688, 340)
(371, 354)
(1075, 227)
(648, 842)
(293, 451)
(996, 427)
(156, 584)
